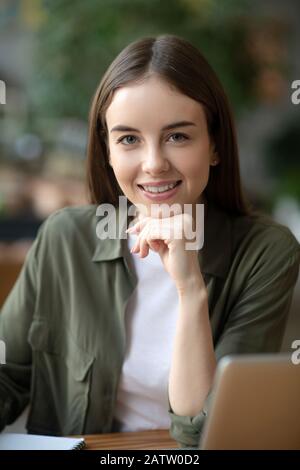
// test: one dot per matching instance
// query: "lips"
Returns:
(166, 183)
(170, 193)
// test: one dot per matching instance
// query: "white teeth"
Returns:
(158, 189)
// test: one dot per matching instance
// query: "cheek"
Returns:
(196, 165)
(124, 170)
(196, 170)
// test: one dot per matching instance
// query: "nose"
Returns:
(155, 162)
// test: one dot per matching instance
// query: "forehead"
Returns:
(154, 99)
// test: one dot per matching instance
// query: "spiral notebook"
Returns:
(33, 442)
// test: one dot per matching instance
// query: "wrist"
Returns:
(193, 301)
(192, 287)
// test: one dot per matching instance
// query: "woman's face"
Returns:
(163, 140)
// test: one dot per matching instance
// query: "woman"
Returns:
(107, 333)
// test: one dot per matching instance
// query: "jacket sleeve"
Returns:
(15, 319)
(256, 321)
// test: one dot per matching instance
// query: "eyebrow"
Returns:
(173, 125)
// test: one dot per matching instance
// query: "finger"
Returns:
(138, 226)
(135, 248)
(144, 239)
(152, 231)
(144, 247)
(152, 237)
(155, 245)
(138, 243)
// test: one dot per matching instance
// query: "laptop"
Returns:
(255, 404)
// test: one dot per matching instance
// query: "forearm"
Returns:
(193, 359)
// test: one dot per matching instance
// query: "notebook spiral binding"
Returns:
(80, 445)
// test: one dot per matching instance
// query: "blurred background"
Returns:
(52, 56)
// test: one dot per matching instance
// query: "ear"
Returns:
(214, 159)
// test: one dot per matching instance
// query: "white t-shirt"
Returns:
(150, 319)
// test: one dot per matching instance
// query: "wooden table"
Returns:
(145, 440)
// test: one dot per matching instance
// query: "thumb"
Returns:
(155, 245)
(162, 247)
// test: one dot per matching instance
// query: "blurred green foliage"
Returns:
(78, 39)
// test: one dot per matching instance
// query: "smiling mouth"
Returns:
(160, 191)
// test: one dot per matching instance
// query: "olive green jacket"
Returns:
(63, 321)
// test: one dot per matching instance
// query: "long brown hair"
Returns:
(177, 61)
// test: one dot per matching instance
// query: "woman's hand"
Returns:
(166, 236)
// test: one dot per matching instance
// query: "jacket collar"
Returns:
(214, 257)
